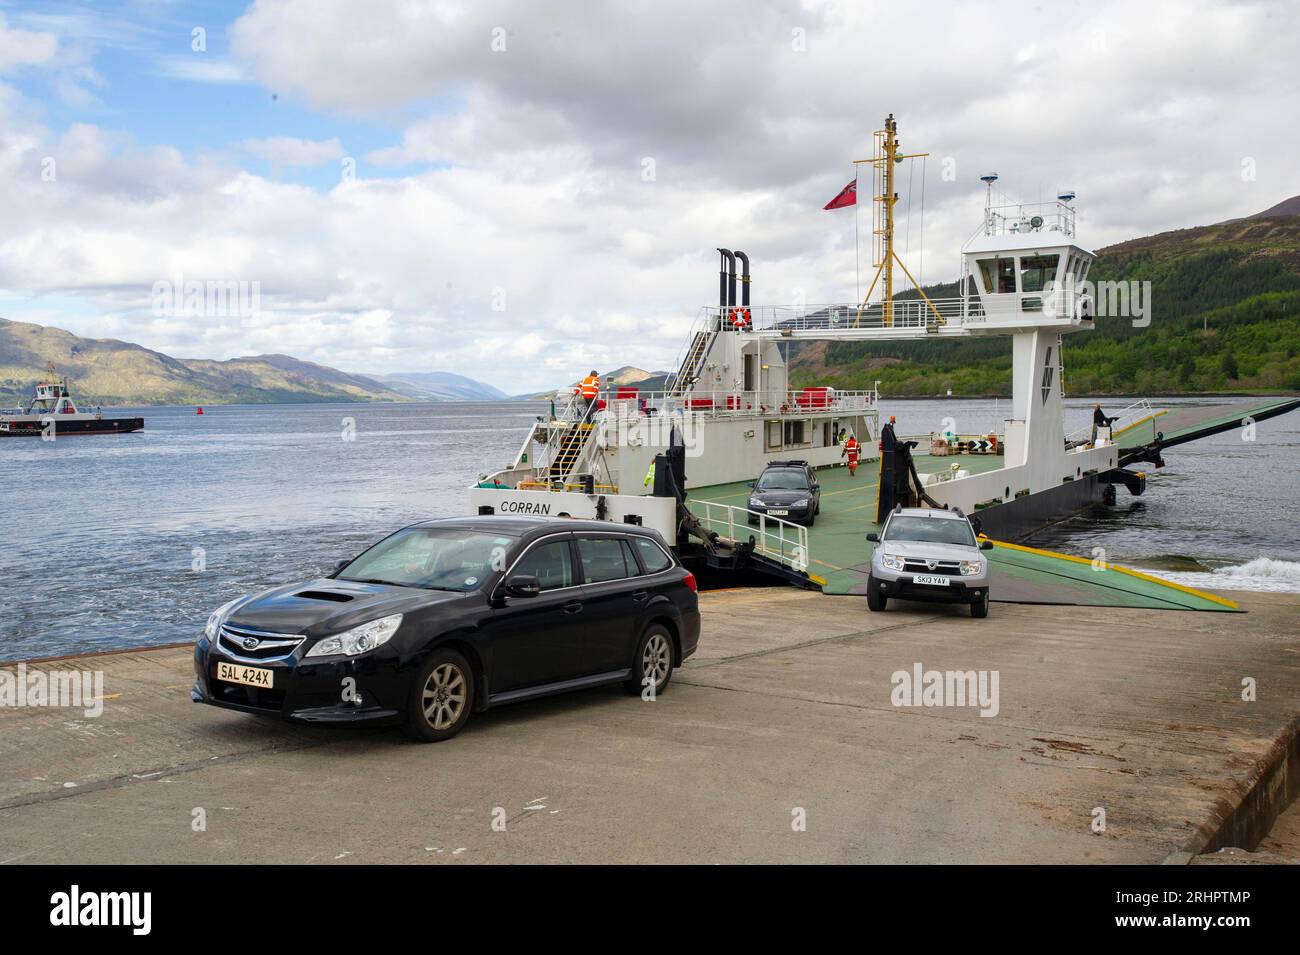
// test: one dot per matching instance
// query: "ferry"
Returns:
(52, 412)
(675, 459)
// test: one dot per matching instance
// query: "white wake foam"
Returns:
(1261, 574)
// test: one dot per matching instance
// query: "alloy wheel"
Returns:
(444, 696)
(657, 658)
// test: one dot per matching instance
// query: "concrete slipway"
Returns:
(786, 707)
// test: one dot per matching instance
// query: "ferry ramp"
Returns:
(1168, 428)
(839, 555)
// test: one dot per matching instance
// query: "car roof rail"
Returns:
(787, 464)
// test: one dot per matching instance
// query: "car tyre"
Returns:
(875, 599)
(979, 609)
(653, 660)
(441, 698)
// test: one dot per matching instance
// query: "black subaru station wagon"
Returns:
(451, 616)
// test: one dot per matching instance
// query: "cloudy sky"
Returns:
(519, 191)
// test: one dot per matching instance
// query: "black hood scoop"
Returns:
(334, 595)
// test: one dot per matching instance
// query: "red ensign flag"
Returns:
(848, 197)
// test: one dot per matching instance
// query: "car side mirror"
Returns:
(752, 483)
(522, 585)
(986, 545)
(873, 537)
(339, 565)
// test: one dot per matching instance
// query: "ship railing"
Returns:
(780, 540)
(1130, 417)
(719, 404)
(1019, 217)
(906, 314)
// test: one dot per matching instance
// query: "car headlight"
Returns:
(969, 568)
(802, 502)
(215, 619)
(891, 562)
(755, 502)
(361, 639)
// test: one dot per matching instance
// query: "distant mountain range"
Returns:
(440, 386)
(627, 375)
(111, 372)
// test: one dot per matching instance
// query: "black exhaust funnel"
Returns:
(727, 266)
(744, 279)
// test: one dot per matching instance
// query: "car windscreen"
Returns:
(930, 530)
(436, 558)
(787, 480)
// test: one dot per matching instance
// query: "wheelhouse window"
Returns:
(1036, 271)
(551, 563)
(434, 558)
(999, 275)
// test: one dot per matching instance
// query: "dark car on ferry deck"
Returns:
(788, 490)
(448, 617)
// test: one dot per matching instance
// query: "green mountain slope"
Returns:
(1225, 317)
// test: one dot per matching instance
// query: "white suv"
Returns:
(927, 554)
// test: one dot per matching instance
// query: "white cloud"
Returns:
(288, 151)
(20, 48)
(528, 166)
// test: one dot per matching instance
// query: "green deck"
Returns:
(841, 554)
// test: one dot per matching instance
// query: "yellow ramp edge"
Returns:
(1123, 570)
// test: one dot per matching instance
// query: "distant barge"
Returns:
(52, 412)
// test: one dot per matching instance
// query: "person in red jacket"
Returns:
(852, 450)
(589, 390)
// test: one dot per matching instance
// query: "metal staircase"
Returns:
(569, 450)
(690, 366)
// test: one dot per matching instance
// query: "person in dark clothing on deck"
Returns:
(1099, 420)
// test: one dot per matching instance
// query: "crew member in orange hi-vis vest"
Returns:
(589, 389)
(852, 450)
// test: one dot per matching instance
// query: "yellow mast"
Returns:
(883, 198)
